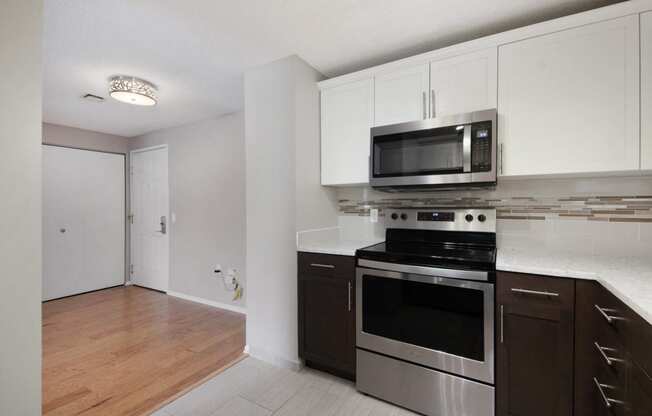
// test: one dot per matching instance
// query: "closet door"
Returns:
(83, 221)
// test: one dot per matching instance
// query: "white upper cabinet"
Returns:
(347, 114)
(568, 102)
(463, 83)
(646, 91)
(401, 95)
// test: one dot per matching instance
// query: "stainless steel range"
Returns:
(425, 312)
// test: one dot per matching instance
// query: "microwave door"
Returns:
(438, 151)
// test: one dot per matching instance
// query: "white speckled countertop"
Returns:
(628, 278)
(340, 247)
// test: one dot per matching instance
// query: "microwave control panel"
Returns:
(481, 147)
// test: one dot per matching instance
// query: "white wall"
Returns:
(283, 197)
(20, 209)
(57, 135)
(207, 195)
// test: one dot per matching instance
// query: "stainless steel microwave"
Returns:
(441, 153)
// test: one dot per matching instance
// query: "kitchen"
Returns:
(491, 254)
(326, 207)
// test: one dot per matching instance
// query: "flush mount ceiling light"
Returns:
(132, 90)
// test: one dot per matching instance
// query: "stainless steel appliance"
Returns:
(425, 312)
(446, 152)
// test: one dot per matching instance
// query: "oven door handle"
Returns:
(426, 271)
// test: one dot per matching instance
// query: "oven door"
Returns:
(441, 323)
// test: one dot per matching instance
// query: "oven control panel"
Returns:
(446, 219)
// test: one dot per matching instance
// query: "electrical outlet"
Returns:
(373, 215)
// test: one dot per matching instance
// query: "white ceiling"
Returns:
(197, 50)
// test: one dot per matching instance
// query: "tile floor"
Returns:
(255, 388)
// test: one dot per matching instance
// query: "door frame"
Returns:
(129, 224)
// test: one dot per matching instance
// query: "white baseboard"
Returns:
(227, 306)
(274, 359)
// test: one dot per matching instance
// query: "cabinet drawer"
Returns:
(327, 265)
(536, 291)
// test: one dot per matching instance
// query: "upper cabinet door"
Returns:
(463, 83)
(646, 90)
(347, 114)
(568, 102)
(401, 95)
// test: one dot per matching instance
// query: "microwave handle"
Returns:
(466, 148)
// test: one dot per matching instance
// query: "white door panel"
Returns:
(83, 221)
(401, 95)
(347, 114)
(569, 101)
(646, 91)
(150, 207)
(464, 83)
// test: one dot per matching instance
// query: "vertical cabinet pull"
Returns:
(423, 103)
(433, 113)
(607, 401)
(605, 314)
(502, 324)
(609, 360)
(501, 158)
(349, 307)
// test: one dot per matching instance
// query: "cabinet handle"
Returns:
(607, 401)
(535, 292)
(609, 360)
(423, 99)
(349, 308)
(502, 324)
(501, 158)
(433, 113)
(610, 318)
(323, 266)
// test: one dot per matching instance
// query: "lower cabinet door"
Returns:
(327, 333)
(640, 393)
(534, 368)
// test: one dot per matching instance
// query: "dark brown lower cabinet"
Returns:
(534, 360)
(327, 312)
(612, 351)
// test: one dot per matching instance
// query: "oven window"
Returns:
(443, 318)
(425, 152)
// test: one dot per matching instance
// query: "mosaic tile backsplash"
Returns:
(598, 199)
(625, 208)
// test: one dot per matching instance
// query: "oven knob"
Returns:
(404, 216)
(482, 218)
(468, 218)
(394, 216)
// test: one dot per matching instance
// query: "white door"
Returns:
(401, 95)
(150, 229)
(568, 102)
(347, 114)
(464, 83)
(83, 221)
(646, 91)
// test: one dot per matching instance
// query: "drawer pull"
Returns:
(323, 266)
(605, 313)
(607, 401)
(535, 292)
(609, 360)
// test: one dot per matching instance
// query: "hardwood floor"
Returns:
(129, 350)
